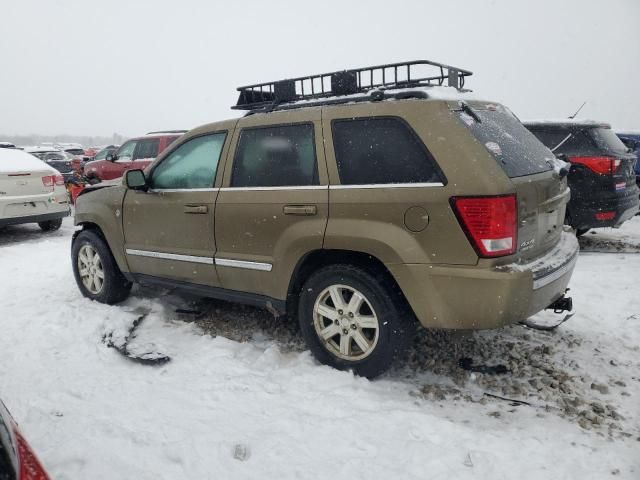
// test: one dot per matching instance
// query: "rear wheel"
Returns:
(352, 320)
(581, 231)
(50, 225)
(96, 271)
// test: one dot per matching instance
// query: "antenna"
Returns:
(577, 111)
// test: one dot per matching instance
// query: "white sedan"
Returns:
(30, 191)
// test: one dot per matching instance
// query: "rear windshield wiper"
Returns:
(464, 106)
(562, 142)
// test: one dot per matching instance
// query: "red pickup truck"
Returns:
(133, 154)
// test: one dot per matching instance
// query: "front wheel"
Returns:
(50, 225)
(352, 320)
(96, 271)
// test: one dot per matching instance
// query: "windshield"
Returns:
(516, 150)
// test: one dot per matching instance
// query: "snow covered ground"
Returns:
(242, 399)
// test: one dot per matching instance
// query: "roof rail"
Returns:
(166, 131)
(414, 73)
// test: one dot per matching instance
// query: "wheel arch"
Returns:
(316, 259)
(95, 227)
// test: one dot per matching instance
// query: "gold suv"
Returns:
(356, 201)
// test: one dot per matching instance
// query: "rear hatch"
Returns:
(541, 193)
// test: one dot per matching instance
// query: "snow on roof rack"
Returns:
(416, 73)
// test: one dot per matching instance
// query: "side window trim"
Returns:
(233, 156)
(443, 179)
(174, 146)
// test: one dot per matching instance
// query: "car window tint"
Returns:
(125, 153)
(380, 151)
(277, 156)
(607, 140)
(147, 149)
(192, 165)
(518, 152)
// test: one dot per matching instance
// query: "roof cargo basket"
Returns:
(417, 73)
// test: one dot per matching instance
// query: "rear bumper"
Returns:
(473, 297)
(583, 211)
(34, 218)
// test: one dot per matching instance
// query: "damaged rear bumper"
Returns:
(472, 297)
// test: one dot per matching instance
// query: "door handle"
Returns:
(196, 209)
(300, 210)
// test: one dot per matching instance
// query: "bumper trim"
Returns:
(34, 218)
(555, 274)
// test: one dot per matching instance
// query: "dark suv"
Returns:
(601, 178)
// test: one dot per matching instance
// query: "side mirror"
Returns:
(135, 180)
(111, 157)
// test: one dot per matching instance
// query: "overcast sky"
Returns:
(95, 67)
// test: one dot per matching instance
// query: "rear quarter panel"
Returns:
(372, 220)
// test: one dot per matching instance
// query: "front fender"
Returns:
(103, 208)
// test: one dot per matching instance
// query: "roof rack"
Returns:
(166, 131)
(416, 73)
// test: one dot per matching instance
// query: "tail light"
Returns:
(51, 180)
(605, 215)
(48, 180)
(599, 165)
(29, 465)
(491, 223)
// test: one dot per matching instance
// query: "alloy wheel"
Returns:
(90, 269)
(345, 322)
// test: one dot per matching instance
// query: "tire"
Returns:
(382, 305)
(113, 287)
(50, 225)
(581, 231)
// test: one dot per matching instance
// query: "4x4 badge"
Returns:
(527, 244)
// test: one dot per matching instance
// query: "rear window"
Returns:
(516, 150)
(580, 141)
(606, 139)
(75, 151)
(381, 150)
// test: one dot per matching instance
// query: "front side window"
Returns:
(381, 150)
(277, 156)
(125, 153)
(147, 149)
(192, 165)
(102, 154)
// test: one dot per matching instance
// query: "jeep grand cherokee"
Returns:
(356, 209)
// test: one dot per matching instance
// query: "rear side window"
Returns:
(515, 148)
(381, 150)
(147, 149)
(282, 155)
